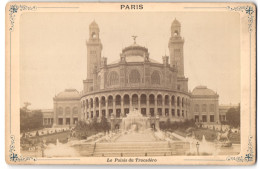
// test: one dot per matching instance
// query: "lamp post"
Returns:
(198, 146)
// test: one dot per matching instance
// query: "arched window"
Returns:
(118, 100)
(143, 99)
(110, 101)
(103, 101)
(134, 77)
(197, 108)
(135, 100)
(151, 99)
(159, 100)
(166, 100)
(96, 102)
(67, 110)
(75, 110)
(178, 101)
(60, 110)
(114, 78)
(126, 100)
(173, 100)
(212, 108)
(155, 78)
(204, 108)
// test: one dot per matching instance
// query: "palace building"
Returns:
(159, 90)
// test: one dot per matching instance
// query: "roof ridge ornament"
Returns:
(134, 38)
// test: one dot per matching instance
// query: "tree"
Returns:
(104, 124)
(30, 120)
(233, 117)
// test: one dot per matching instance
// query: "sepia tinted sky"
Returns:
(53, 54)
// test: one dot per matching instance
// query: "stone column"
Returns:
(181, 108)
(155, 107)
(175, 106)
(148, 107)
(89, 109)
(139, 103)
(170, 107)
(99, 108)
(114, 107)
(107, 114)
(94, 108)
(71, 116)
(163, 106)
(122, 107)
(130, 107)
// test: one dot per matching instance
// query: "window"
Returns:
(204, 118)
(134, 77)
(212, 108)
(204, 108)
(197, 119)
(152, 112)
(118, 100)
(173, 112)
(159, 100)
(166, 112)
(114, 78)
(75, 110)
(60, 110)
(67, 111)
(212, 118)
(178, 113)
(110, 101)
(126, 100)
(126, 111)
(155, 78)
(67, 121)
(143, 99)
(151, 99)
(143, 111)
(197, 108)
(118, 112)
(178, 101)
(75, 120)
(103, 113)
(159, 111)
(166, 100)
(60, 121)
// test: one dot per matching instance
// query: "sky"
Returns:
(53, 53)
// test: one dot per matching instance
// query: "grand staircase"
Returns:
(133, 149)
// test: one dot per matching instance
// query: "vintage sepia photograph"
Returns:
(113, 85)
(129, 84)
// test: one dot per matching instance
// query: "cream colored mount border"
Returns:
(247, 13)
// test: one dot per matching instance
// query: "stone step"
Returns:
(159, 144)
(129, 147)
(127, 154)
(132, 150)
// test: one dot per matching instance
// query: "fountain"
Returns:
(135, 121)
(60, 150)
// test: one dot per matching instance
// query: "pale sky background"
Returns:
(54, 54)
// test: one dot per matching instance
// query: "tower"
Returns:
(176, 48)
(94, 48)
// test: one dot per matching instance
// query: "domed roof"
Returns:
(176, 23)
(93, 25)
(203, 91)
(68, 94)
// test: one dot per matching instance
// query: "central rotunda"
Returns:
(135, 81)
